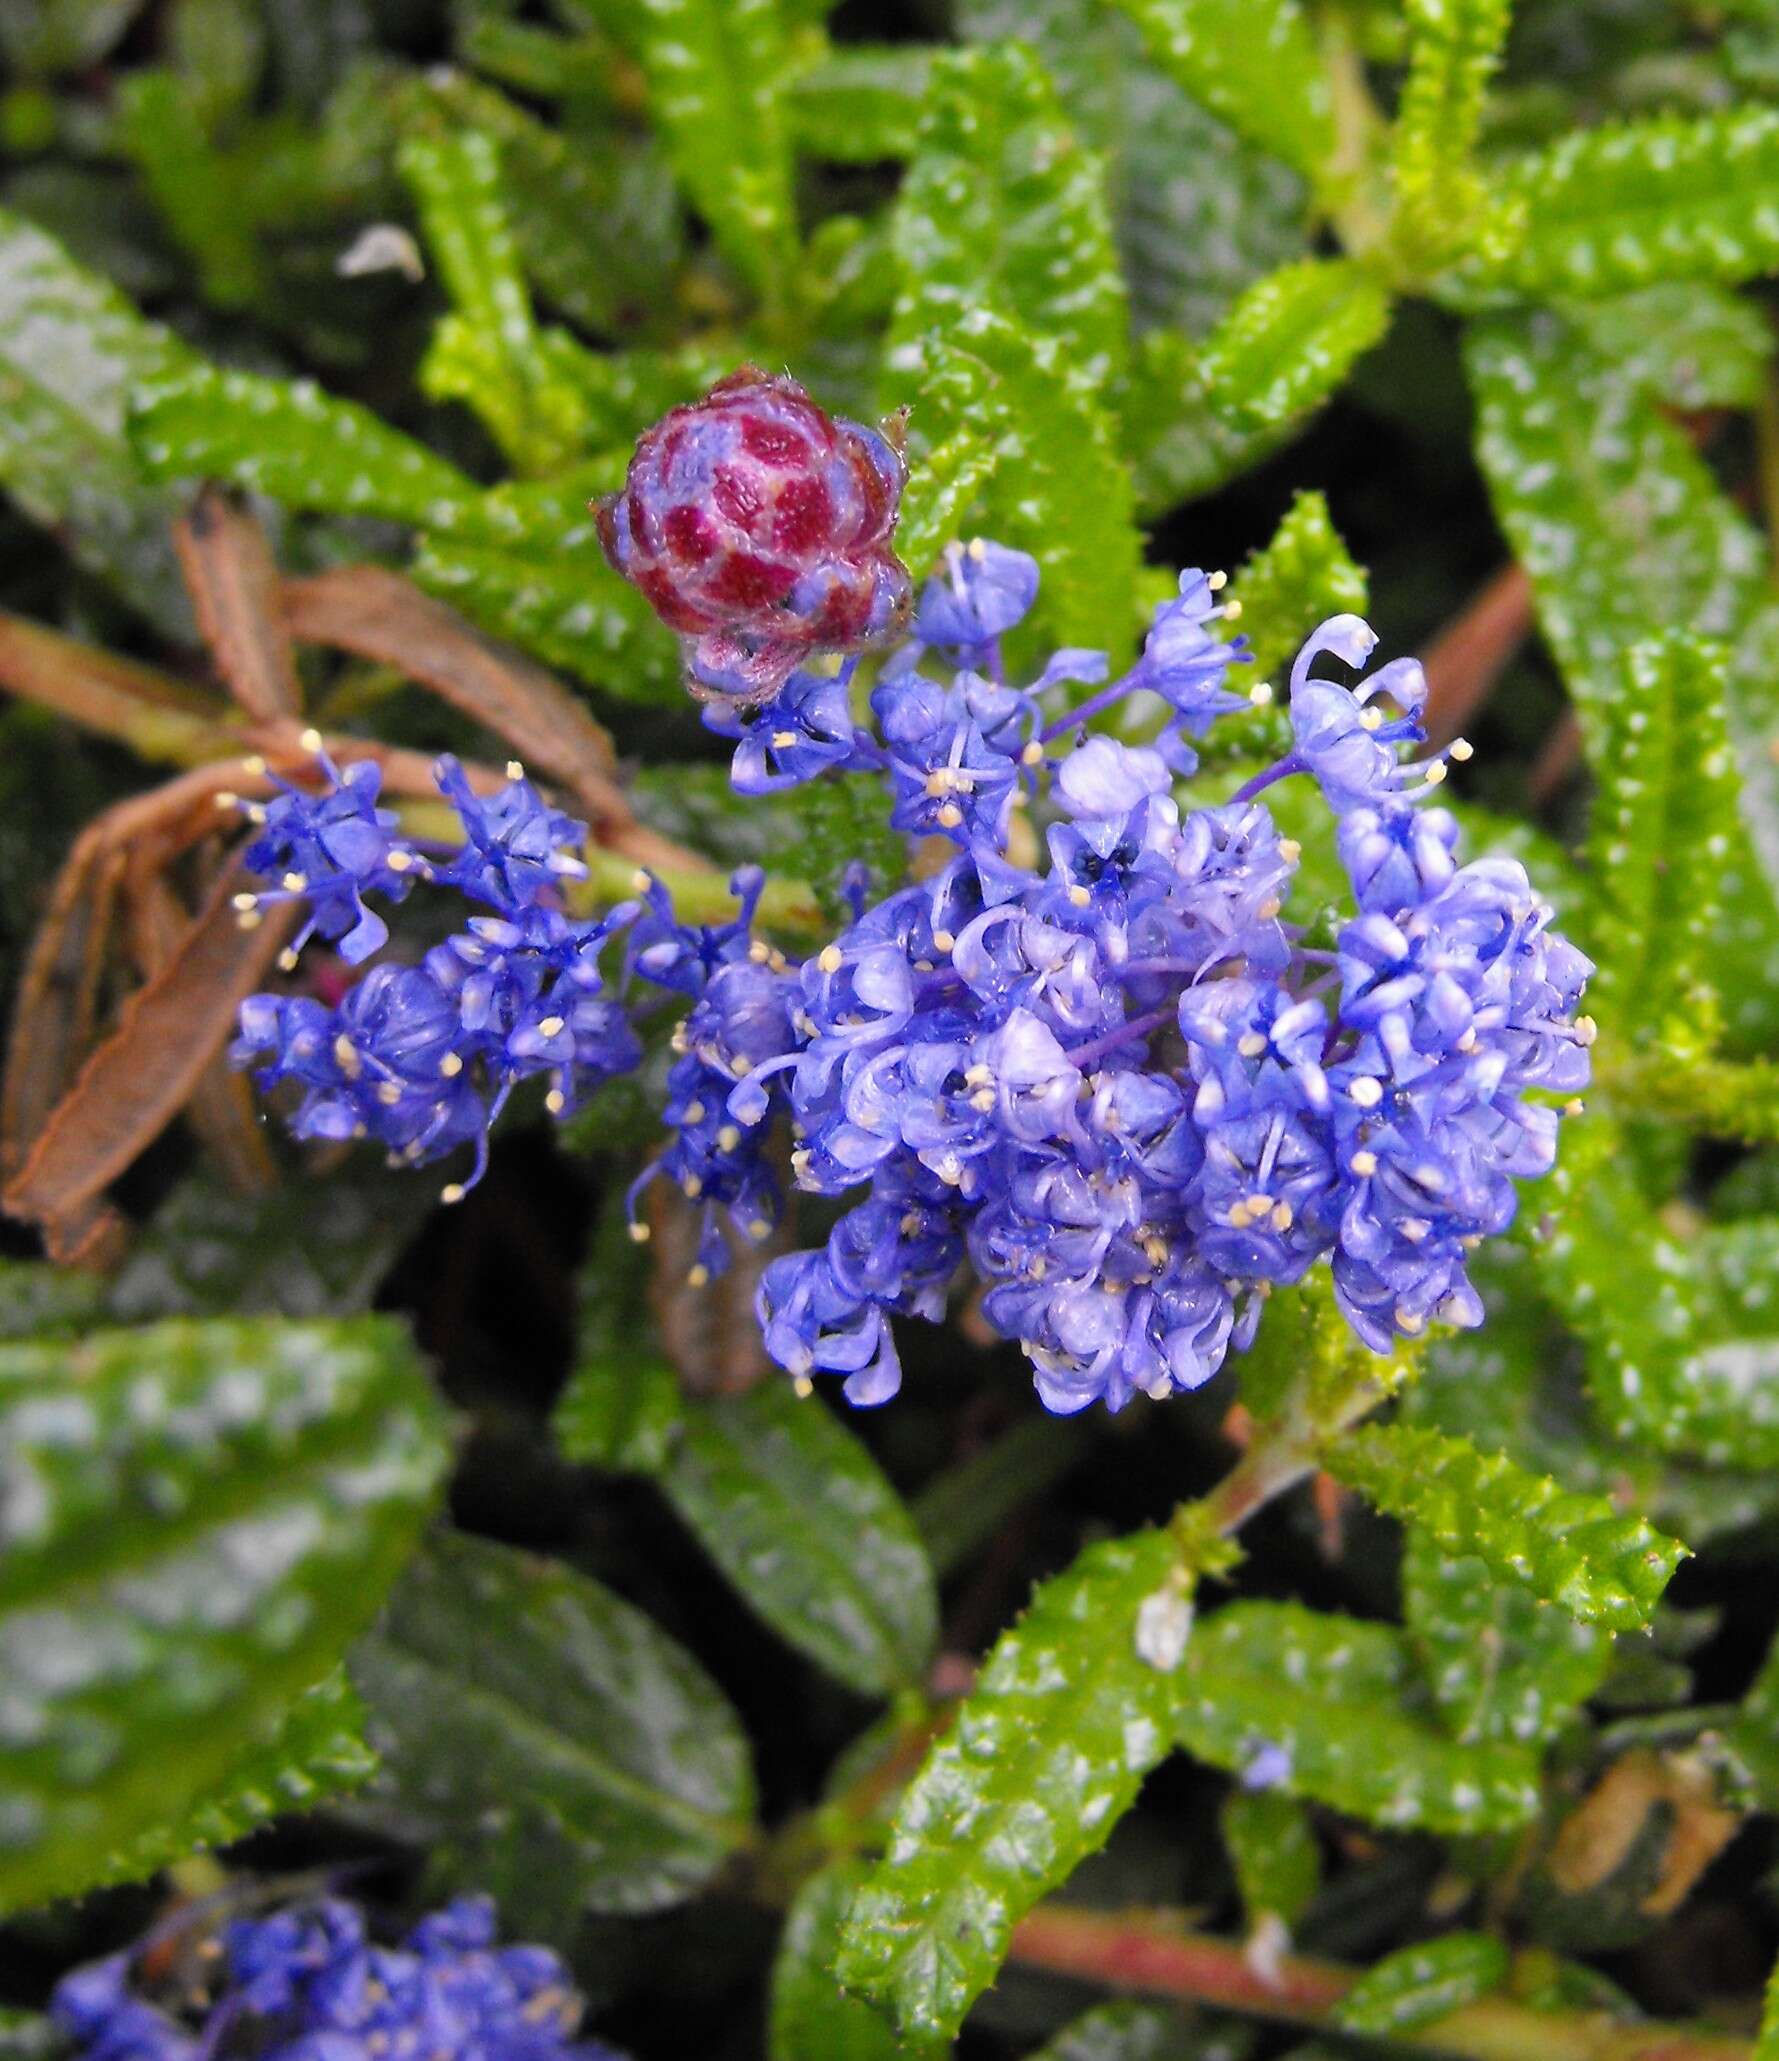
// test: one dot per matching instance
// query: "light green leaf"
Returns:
(1617, 518)
(562, 1752)
(1697, 346)
(1418, 1984)
(196, 1518)
(1131, 2031)
(1573, 1550)
(1059, 489)
(794, 1510)
(1766, 2046)
(810, 2015)
(160, 125)
(1046, 1755)
(1253, 62)
(1626, 204)
(1455, 47)
(1667, 789)
(1339, 1697)
(941, 491)
(71, 349)
(716, 72)
(860, 103)
(1272, 1847)
(1753, 1733)
(1199, 213)
(1004, 208)
(1299, 578)
(317, 1753)
(1200, 414)
(290, 440)
(1499, 1663)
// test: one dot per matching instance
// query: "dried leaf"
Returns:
(233, 577)
(157, 716)
(379, 615)
(137, 1080)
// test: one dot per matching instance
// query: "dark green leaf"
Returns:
(1129, 2031)
(1272, 1847)
(859, 103)
(796, 1513)
(318, 1752)
(160, 125)
(71, 350)
(197, 1518)
(810, 2014)
(1338, 1696)
(1251, 61)
(1576, 1551)
(48, 36)
(1499, 1663)
(1004, 208)
(290, 440)
(28, 2036)
(963, 1508)
(1046, 1754)
(1421, 1983)
(565, 1753)
(1625, 533)
(37, 1299)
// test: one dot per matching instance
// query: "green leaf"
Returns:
(1626, 204)
(317, 1753)
(44, 37)
(71, 349)
(1624, 531)
(1253, 62)
(562, 1752)
(1272, 1847)
(1132, 2031)
(1200, 414)
(1753, 1733)
(1059, 489)
(1499, 1663)
(487, 355)
(810, 2014)
(38, 1300)
(160, 125)
(963, 1508)
(1455, 48)
(621, 1409)
(1696, 346)
(1299, 578)
(794, 1510)
(1339, 1696)
(1418, 1984)
(716, 72)
(860, 103)
(290, 440)
(1004, 208)
(942, 488)
(1198, 212)
(1573, 1550)
(198, 1517)
(1667, 787)
(1046, 1754)
(1766, 2046)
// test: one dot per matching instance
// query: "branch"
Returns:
(1154, 1953)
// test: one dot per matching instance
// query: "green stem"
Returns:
(1348, 187)
(789, 906)
(1153, 1952)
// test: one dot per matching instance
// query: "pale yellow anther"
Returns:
(639, 1234)
(1032, 755)
(249, 919)
(399, 860)
(759, 951)
(1079, 896)
(388, 1093)
(1371, 719)
(1261, 693)
(253, 765)
(693, 1185)
(1367, 1091)
(515, 771)
(1232, 611)
(977, 549)
(1282, 1216)
(452, 1191)
(1436, 773)
(1461, 749)
(1269, 908)
(287, 960)
(950, 816)
(295, 883)
(1251, 1044)
(1364, 1164)
(1407, 1320)
(802, 1387)
(943, 940)
(757, 1228)
(346, 1057)
(1290, 850)
(1217, 581)
(694, 1112)
(1258, 1205)
(310, 740)
(244, 901)
(451, 1065)
(728, 1137)
(228, 799)
(1575, 1106)
(698, 1276)
(1038, 1268)
(782, 740)
(639, 882)
(551, 1027)
(555, 1102)
(983, 1099)
(831, 958)
(1586, 1030)
(255, 812)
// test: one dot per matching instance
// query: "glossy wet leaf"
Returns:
(559, 1749)
(197, 1518)
(1045, 1755)
(1004, 207)
(1454, 48)
(71, 351)
(1498, 1662)
(1576, 1551)
(797, 1514)
(1341, 1699)
(1128, 2030)
(1419, 1984)
(1273, 1849)
(809, 2013)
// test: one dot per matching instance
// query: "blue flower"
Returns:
(985, 591)
(331, 849)
(806, 730)
(1187, 664)
(955, 755)
(517, 849)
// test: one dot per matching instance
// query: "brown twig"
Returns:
(233, 579)
(1468, 657)
(1156, 1955)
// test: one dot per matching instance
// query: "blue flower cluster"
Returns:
(1087, 1055)
(307, 1985)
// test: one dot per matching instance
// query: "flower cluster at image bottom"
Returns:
(1089, 1060)
(307, 1985)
